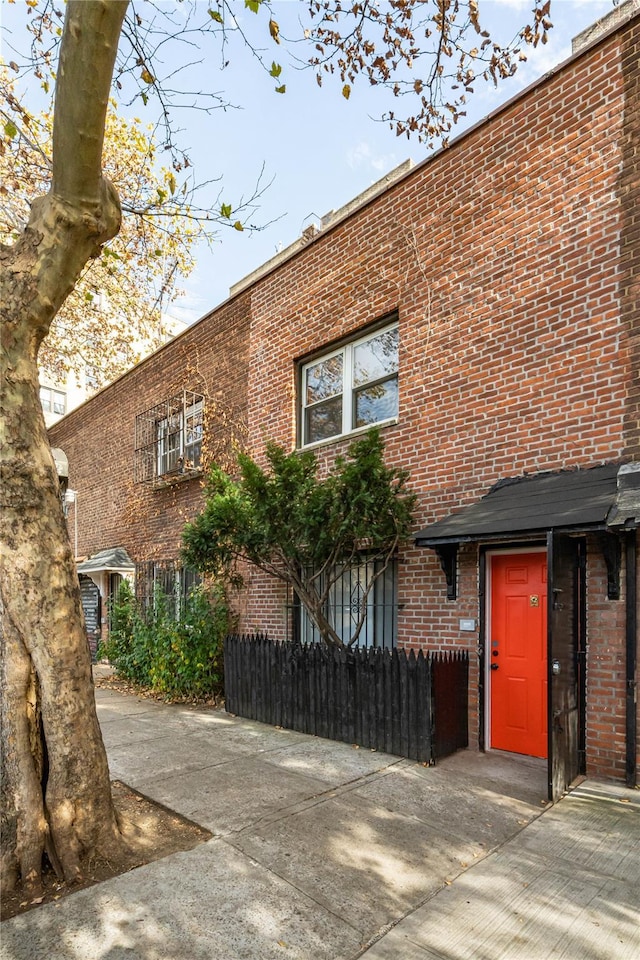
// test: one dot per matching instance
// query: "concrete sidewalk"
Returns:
(322, 850)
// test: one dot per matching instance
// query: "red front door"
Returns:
(518, 653)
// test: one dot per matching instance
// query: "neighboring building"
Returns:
(55, 399)
(61, 397)
(483, 309)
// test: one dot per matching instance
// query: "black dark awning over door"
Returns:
(569, 500)
(603, 500)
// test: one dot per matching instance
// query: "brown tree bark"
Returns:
(56, 792)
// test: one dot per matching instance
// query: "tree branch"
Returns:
(87, 57)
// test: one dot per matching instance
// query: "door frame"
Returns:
(485, 617)
(579, 651)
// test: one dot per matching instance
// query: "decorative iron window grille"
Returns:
(166, 579)
(168, 439)
(346, 601)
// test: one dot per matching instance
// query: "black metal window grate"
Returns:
(166, 578)
(348, 599)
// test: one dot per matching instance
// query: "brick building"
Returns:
(484, 309)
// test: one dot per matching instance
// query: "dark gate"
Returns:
(401, 703)
(92, 608)
(565, 641)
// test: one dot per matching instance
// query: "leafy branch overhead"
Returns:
(300, 527)
(427, 54)
(431, 52)
(114, 313)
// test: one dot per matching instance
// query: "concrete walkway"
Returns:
(322, 850)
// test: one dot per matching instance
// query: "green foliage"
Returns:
(291, 523)
(177, 656)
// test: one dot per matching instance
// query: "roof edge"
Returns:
(400, 174)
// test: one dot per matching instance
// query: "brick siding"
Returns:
(501, 257)
(511, 260)
(99, 437)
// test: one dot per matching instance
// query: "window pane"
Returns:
(192, 454)
(193, 432)
(376, 403)
(168, 444)
(193, 435)
(324, 420)
(347, 603)
(91, 378)
(59, 402)
(45, 399)
(172, 450)
(376, 357)
(323, 379)
(386, 608)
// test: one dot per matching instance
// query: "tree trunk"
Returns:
(56, 792)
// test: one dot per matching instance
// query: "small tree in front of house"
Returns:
(304, 529)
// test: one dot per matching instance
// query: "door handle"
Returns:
(495, 666)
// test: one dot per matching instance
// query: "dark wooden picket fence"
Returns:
(405, 704)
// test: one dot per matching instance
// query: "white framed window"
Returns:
(179, 439)
(349, 388)
(53, 401)
(192, 438)
(169, 443)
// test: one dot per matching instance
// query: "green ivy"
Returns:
(176, 656)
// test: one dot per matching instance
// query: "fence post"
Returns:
(450, 702)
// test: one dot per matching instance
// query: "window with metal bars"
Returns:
(348, 598)
(169, 438)
(166, 579)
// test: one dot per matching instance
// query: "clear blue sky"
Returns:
(320, 149)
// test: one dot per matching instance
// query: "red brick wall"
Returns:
(512, 261)
(606, 718)
(99, 437)
(502, 258)
(629, 191)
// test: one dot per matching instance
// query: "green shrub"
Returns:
(177, 656)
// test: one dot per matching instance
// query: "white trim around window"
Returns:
(53, 401)
(350, 388)
(179, 439)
